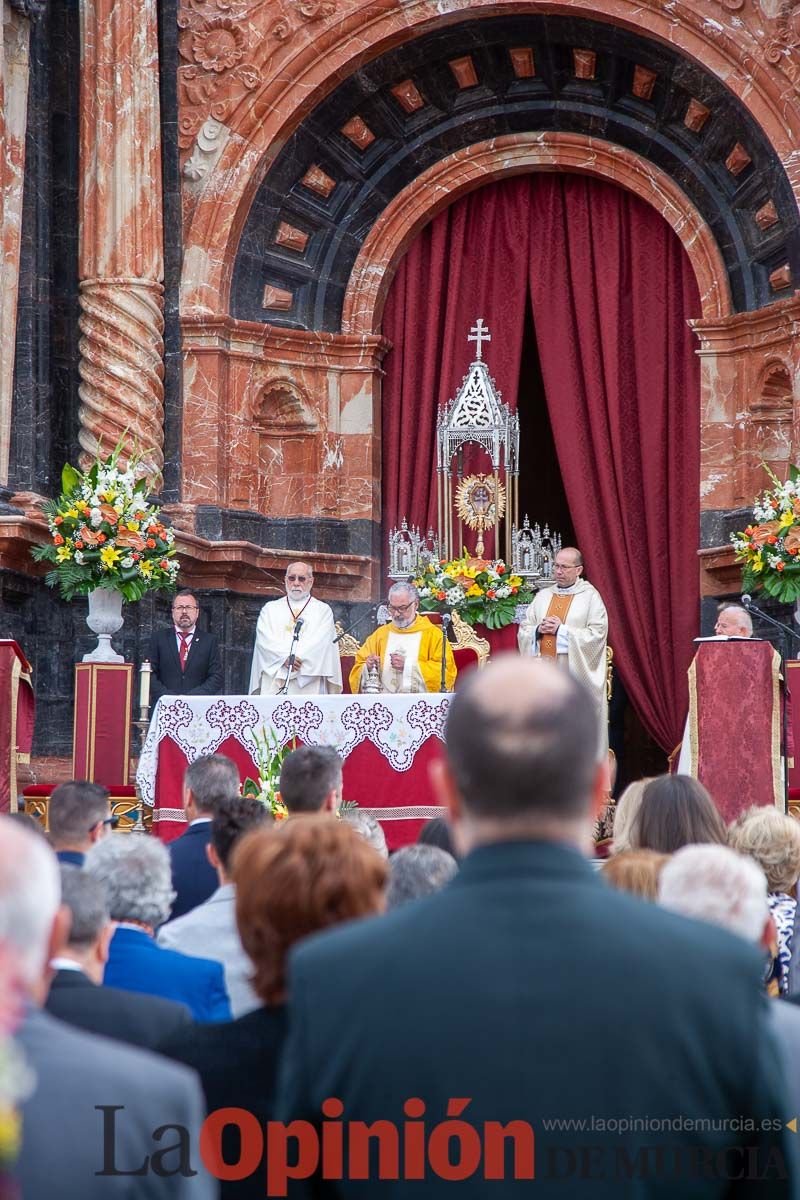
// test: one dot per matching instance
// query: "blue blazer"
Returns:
(137, 963)
(193, 877)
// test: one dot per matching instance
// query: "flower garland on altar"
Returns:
(105, 534)
(769, 548)
(482, 591)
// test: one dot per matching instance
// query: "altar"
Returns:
(386, 743)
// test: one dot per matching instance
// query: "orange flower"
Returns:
(772, 540)
(501, 570)
(109, 514)
(490, 593)
(792, 539)
(440, 595)
(58, 539)
(127, 538)
(58, 521)
(514, 591)
(762, 533)
(79, 545)
(86, 535)
(151, 543)
(780, 566)
(101, 537)
(164, 564)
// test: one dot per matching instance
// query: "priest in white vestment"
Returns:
(315, 669)
(569, 623)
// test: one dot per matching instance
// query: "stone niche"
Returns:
(281, 477)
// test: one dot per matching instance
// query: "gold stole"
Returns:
(559, 607)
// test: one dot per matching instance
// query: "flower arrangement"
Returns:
(105, 534)
(480, 590)
(769, 548)
(269, 756)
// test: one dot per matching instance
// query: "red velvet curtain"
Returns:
(471, 261)
(611, 289)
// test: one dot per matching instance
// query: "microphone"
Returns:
(446, 619)
(298, 625)
(747, 601)
(383, 616)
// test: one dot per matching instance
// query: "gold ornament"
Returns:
(480, 503)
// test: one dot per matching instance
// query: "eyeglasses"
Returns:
(398, 609)
(297, 578)
(184, 608)
(113, 821)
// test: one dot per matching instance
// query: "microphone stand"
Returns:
(786, 632)
(292, 651)
(446, 619)
(370, 612)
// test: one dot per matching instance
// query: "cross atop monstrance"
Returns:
(479, 333)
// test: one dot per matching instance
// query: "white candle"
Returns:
(145, 671)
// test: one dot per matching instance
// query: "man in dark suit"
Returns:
(135, 872)
(79, 815)
(529, 992)
(94, 1103)
(207, 783)
(75, 994)
(185, 660)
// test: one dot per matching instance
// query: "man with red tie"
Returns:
(185, 659)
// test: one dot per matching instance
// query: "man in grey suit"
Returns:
(528, 997)
(209, 931)
(88, 1125)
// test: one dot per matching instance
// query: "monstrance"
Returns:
(477, 416)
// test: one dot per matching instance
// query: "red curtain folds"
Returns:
(471, 261)
(611, 289)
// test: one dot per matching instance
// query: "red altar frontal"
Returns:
(386, 743)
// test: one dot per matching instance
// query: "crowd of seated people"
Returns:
(295, 971)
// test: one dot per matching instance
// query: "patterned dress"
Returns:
(783, 908)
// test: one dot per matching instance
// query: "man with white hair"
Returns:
(717, 885)
(88, 1123)
(407, 652)
(136, 873)
(294, 650)
(733, 621)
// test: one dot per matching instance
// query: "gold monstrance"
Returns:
(477, 416)
(480, 504)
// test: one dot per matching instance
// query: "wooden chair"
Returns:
(469, 650)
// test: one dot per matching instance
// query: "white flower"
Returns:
(502, 591)
(426, 591)
(774, 559)
(454, 595)
(96, 516)
(127, 561)
(79, 557)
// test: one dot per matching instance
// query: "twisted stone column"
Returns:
(121, 260)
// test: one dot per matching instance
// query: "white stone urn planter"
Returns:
(104, 619)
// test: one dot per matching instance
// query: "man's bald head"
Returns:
(522, 741)
(30, 895)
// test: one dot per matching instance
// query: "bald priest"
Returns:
(408, 652)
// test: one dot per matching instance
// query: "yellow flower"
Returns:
(64, 553)
(133, 526)
(10, 1130)
(146, 568)
(787, 519)
(474, 590)
(514, 581)
(758, 563)
(71, 512)
(109, 555)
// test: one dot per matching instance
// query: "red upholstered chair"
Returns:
(124, 804)
(348, 661)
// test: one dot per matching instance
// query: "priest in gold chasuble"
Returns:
(408, 652)
(568, 622)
